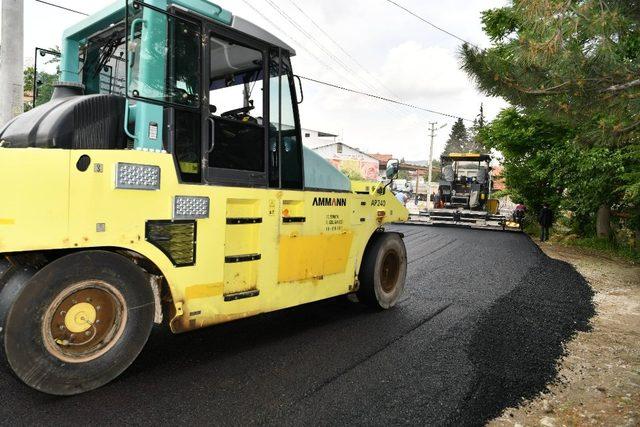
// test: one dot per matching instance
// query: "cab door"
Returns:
(235, 152)
(235, 158)
(314, 240)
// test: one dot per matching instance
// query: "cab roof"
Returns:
(115, 12)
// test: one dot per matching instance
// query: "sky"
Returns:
(380, 49)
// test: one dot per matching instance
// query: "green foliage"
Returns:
(607, 246)
(576, 61)
(474, 144)
(543, 165)
(532, 148)
(591, 178)
(572, 70)
(457, 138)
(463, 140)
(45, 84)
(499, 23)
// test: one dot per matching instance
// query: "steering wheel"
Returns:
(238, 114)
(184, 97)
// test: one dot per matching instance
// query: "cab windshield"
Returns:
(236, 85)
(163, 57)
(103, 65)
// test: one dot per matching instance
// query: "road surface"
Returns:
(480, 326)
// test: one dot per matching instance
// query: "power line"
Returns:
(288, 18)
(266, 18)
(308, 35)
(350, 72)
(396, 102)
(381, 98)
(432, 24)
(333, 40)
(62, 7)
(351, 75)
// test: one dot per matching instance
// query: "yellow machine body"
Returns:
(304, 246)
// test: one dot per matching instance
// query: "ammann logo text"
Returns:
(328, 201)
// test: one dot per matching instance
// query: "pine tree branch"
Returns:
(549, 91)
(624, 86)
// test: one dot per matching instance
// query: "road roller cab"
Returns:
(167, 177)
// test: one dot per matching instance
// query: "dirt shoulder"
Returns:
(599, 379)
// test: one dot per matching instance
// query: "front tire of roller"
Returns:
(383, 271)
(79, 323)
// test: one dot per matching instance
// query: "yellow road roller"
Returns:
(167, 179)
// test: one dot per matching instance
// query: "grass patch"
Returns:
(621, 247)
(606, 246)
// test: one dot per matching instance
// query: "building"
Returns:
(359, 165)
(413, 174)
(351, 161)
(314, 139)
(383, 160)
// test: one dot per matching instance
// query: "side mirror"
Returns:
(393, 168)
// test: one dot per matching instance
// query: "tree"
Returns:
(437, 171)
(45, 81)
(45, 84)
(544, 165)
(531, 147)
(475, 145)
(574, 64)
(578, 61)
(458, 139)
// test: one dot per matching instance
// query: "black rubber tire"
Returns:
(24, 344)
(12, 281)
(5, 265)
(371, 291)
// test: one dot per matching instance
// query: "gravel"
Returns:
(481, 326)
(517, 343)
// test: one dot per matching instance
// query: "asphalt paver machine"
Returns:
(166, 178)
(464, 194)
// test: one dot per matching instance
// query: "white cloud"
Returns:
(414, 71)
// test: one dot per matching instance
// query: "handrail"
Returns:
(126, 120)
(212, 140)
(130, 41)
(128, 82)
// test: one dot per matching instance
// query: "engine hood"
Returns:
(74, 122)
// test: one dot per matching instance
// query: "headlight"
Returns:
(190, 207)
(131, 176)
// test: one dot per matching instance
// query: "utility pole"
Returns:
(11, 60)
(433, 137)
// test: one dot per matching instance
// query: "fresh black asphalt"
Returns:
(480, 327)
